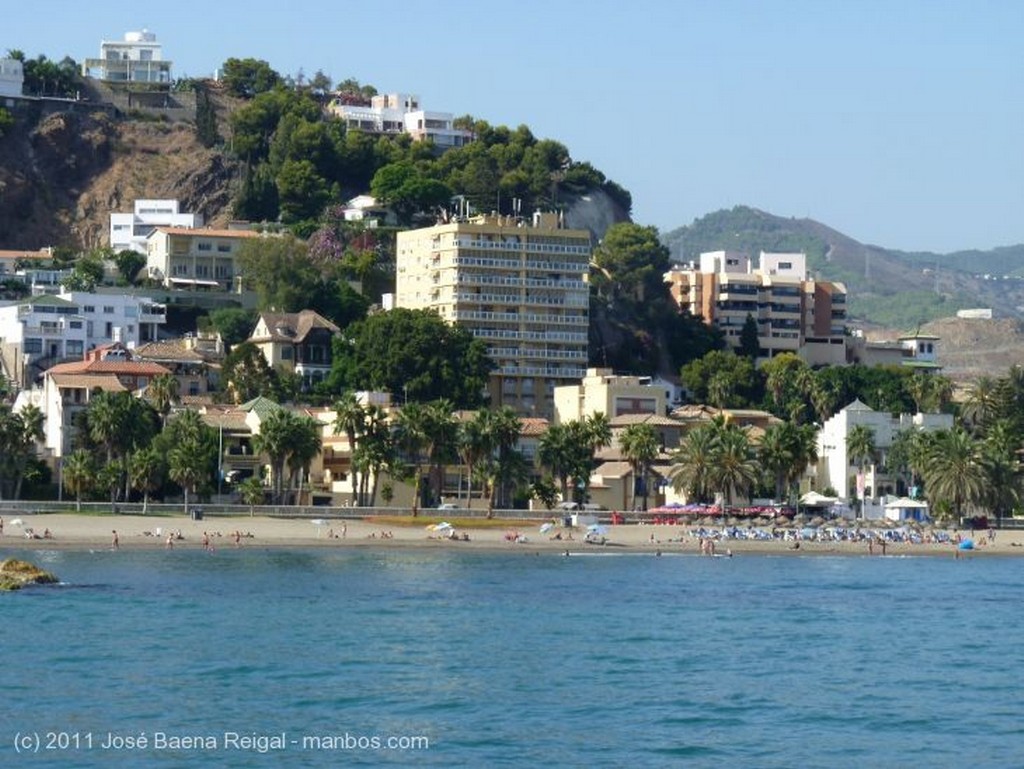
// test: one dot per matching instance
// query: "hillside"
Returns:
(929, 286)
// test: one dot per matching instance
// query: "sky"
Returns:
(899, 123)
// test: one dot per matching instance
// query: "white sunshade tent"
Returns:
(814, 499)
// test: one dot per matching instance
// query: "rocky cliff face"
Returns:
(61, 175)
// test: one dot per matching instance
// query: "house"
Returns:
(12, 78)
(68, 388)
(179, 257)
(129, 231)
(300, 342)
(138, 58)
(836, 470)
(364, 208)
(918, 351)
(196, 366)
(36, 333)
(396, 113)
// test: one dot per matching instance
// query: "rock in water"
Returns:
(15, 574)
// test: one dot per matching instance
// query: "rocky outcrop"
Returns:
(15, 574)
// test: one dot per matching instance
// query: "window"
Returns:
(108, 309)
(286, 353)
(89, 308)
(32, 345)
(204, 246)
(76, 324)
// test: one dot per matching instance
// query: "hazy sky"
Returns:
(899, 123)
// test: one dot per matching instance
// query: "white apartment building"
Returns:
(36, 332)
(793, 312)
(401, 113)
(521, 287)
(179, 257)
(12, 78)
(834, 466)
(129, 231)
(138, 58)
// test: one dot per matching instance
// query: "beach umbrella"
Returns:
(595, 528)
(967, 544)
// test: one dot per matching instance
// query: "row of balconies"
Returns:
(465, 260)
(470, 279)
(515, 352)
(538, 371)
(520, 317)
(528, 247)
(532, 336)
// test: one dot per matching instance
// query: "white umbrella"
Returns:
(545, 528)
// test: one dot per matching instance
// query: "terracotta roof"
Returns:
(229, 420)
(132, 367)
(196, 400)
(532, 427)
(171, 349)
(623, 420)
(295, 324)
(208, 232)
(107, 382)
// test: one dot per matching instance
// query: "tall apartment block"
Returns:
(519, 286)
(793, 312)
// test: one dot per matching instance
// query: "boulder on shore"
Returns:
(15, 574)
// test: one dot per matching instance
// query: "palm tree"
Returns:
(26, 429)
(412, 437)
(981, 407)
(691, 471)
(473, 444)
(163, 394)
(1000, 452)
(273, 440)
(954, 469)
(251, 490)
(775, 453)
(860, 448)
(376, 451)
(555, 453)
(735, 466)
(78, 474)
(304, 444)
(639, 444)
(503, 430)
(146, 469)
(188, 463)
(350, 417)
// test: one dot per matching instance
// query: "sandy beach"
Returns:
(69, 531)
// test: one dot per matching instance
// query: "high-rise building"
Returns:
(793, 313)
(519, 286)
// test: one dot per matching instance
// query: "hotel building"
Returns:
(521, 287)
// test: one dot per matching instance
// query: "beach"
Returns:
(71, 531)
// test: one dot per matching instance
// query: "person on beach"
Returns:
(170, 541)
(1, 527)
(238, 538)
(115, 541)
(206, 543)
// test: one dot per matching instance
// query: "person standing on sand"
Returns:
(170, 541)
(115, 542)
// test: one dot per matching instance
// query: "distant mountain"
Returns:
(927, 285)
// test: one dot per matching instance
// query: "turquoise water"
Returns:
(304, 658)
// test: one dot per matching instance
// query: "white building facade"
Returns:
(835, 468)
(130, 231)
(12, 78)
(138, 58)
(179, 257)
(401, 113)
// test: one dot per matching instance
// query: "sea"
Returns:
(428, 657)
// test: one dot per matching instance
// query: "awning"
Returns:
(194, 282)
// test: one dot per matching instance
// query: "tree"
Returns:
(274, 439)
(556, 453)
(785, 451)
(503, 429)
(246, 374)
(206, 119)
(427, 433)
(279, 270)
(1000, 459)
(860, 448)
(234, 324)
(736, 378)
(692, 470)
(413, 353)
(246, 78)
(129, 263)
(19, 434)
(407, 191)
(302, 191)
(304, 445)
(630, 262)
(79, 475)
(162, 392)
(147, 470)
(350, 418)
(953, 469)
(750, 343)
(640, 445)
(982, 404)
(474, 444)
(735, 466)
(191, 447)
(251, 490)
